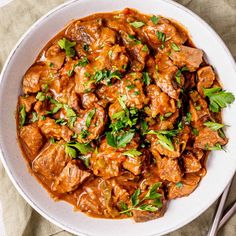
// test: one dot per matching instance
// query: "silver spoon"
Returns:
(217, 217)
(228, 215)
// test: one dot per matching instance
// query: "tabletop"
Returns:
(16, 216)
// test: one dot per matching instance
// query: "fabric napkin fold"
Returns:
(19, 218)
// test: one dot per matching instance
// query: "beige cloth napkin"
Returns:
(19, 218)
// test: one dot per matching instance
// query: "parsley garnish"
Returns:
(144, 127)
(106, 75)
(218, 98)
(61, 121)
(179, 185)
(188, 118)
(124, 207)
(195, 131)
(132, 153)
(136, 41)
(72, 149)
(52, 140)
(83, 148)
(177, 76)
(145, 48)
(213, 125)
(86, 47)
(83, 62)
(131, 86)
(89, 117)
(164, 137)
(154, 19)
(34, 117)
(70, 72)
(198, 108)
(43, 118)
(152, 195)
(125, 118)
(168, 114)
(41, 96)
(161, 36)
(70, 114)
(179, 73)
(146, 78)
(56, 108)
(84, 133)
(137, 24)
(175, 47)
(86, 160)
(118, 141)
(214, 148)
(68, 46)
(22, 115)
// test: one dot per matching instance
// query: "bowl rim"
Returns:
(3, 156)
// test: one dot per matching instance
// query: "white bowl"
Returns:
(221, 165)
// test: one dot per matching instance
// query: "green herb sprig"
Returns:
(137, 24)
(68, 46)
(218, 98)
(152, 195)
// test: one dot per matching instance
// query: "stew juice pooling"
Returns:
(118, 114)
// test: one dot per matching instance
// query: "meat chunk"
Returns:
(206, 77)
(32, 139)
(83, 83)
(142, 216)
(70, 178)
(27, 102)
(50, 129)
(208, 138)
(169, 169)
(179, 143)
(166, 74)
(55, 57)
(63, 89)
(160, 103)
(171, 31)
(108, 36)
(84, 31)
(89, 100)
(132, 90)
(95, 198)
(133, 164)
(108, 161)
(121, 28)
(114, 108)
(191, 163)
(51, 161)
(187, 56)
(120, 187)
(31, 79)
(198, 107)
(112, 58)
(92, 121)
(183, 188)
(138, 56)
(106, 164)
(108, 94)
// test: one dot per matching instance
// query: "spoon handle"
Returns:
(213, 230)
